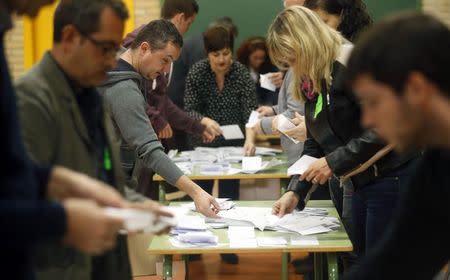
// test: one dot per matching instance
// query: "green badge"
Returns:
(107, 159)
(319, 106)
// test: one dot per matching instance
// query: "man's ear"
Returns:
(178, 18)
(69, 34)
(418, 90)
(144, 47)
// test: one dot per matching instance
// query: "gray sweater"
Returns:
(287, 105)
(126, 105)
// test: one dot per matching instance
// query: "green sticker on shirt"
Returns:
(319, 106)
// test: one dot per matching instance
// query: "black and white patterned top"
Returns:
(232, 105)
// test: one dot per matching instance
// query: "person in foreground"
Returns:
(29, 214)
(404, 90)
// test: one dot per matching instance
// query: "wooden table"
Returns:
(277, 172)
(329, 244)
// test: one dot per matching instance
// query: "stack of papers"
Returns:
(311, 221)
(301, 165)
(224, 203)
(253, 119)
(140, 220)
(231, 132)
(284, 124)
(266, 82)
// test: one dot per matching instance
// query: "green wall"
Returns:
(254, 16)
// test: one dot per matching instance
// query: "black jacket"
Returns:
(336, 133)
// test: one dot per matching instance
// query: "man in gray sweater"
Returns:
(151, 53)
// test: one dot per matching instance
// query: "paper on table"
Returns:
(304, 240)
(231, 132)
(243, 243)
(241, 232)
(251, 163)
(266, 82)
(271, 241)
(315, 230)
(301, 165)
(253, 119)
(285, 124)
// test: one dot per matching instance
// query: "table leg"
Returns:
(167, 267)
(283, 186)
(318, 266)
(162, 193)
(215, 189)
(333, 273)
(284, 266)
(186, 266)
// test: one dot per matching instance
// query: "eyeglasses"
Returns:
(107, 48)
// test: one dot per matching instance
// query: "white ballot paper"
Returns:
(231, 132)
(253, 119)
(266, 82)
(251, 163)
(301, 165)
(285, 124)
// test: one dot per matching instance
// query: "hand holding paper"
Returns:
(231, 132)
(266, 82)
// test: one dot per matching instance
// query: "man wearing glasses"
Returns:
(64, 122)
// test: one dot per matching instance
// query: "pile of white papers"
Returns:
(310, 221)
(284, 124)
(253, 119)
(217, 161)
(301, 165)
(266, 82)
(224, 203)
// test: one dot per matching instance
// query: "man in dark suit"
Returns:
(28, 214)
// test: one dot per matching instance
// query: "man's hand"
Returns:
(277, 79)
(212, 127)
(65, 183)
(207, 137)
(299, 131)
(249, 148)
(265, 111)
(166, 133)
(318, 172)
(205, 203)
(286, 204)
(89, 228)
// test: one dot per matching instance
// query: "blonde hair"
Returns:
(298, 37)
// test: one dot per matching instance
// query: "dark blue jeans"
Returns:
(373, 206)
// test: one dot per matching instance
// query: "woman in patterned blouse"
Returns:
(221, 89)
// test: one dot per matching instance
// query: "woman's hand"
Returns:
(318, 172)
(299, 131)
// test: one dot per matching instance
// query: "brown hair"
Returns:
(217, 38)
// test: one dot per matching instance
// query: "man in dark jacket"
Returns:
(26, 216)
(399, 71)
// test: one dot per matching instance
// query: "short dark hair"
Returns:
(353, 13)
(399, 45)
(217, 38)
(158, 33)
(172, 7)
(84, 15)
(226, 22)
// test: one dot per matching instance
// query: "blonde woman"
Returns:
(299, 39)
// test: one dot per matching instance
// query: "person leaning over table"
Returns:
(150, 54)
(334, 134)
(221, 89)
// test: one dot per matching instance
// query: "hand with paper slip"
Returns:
(294, 129)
